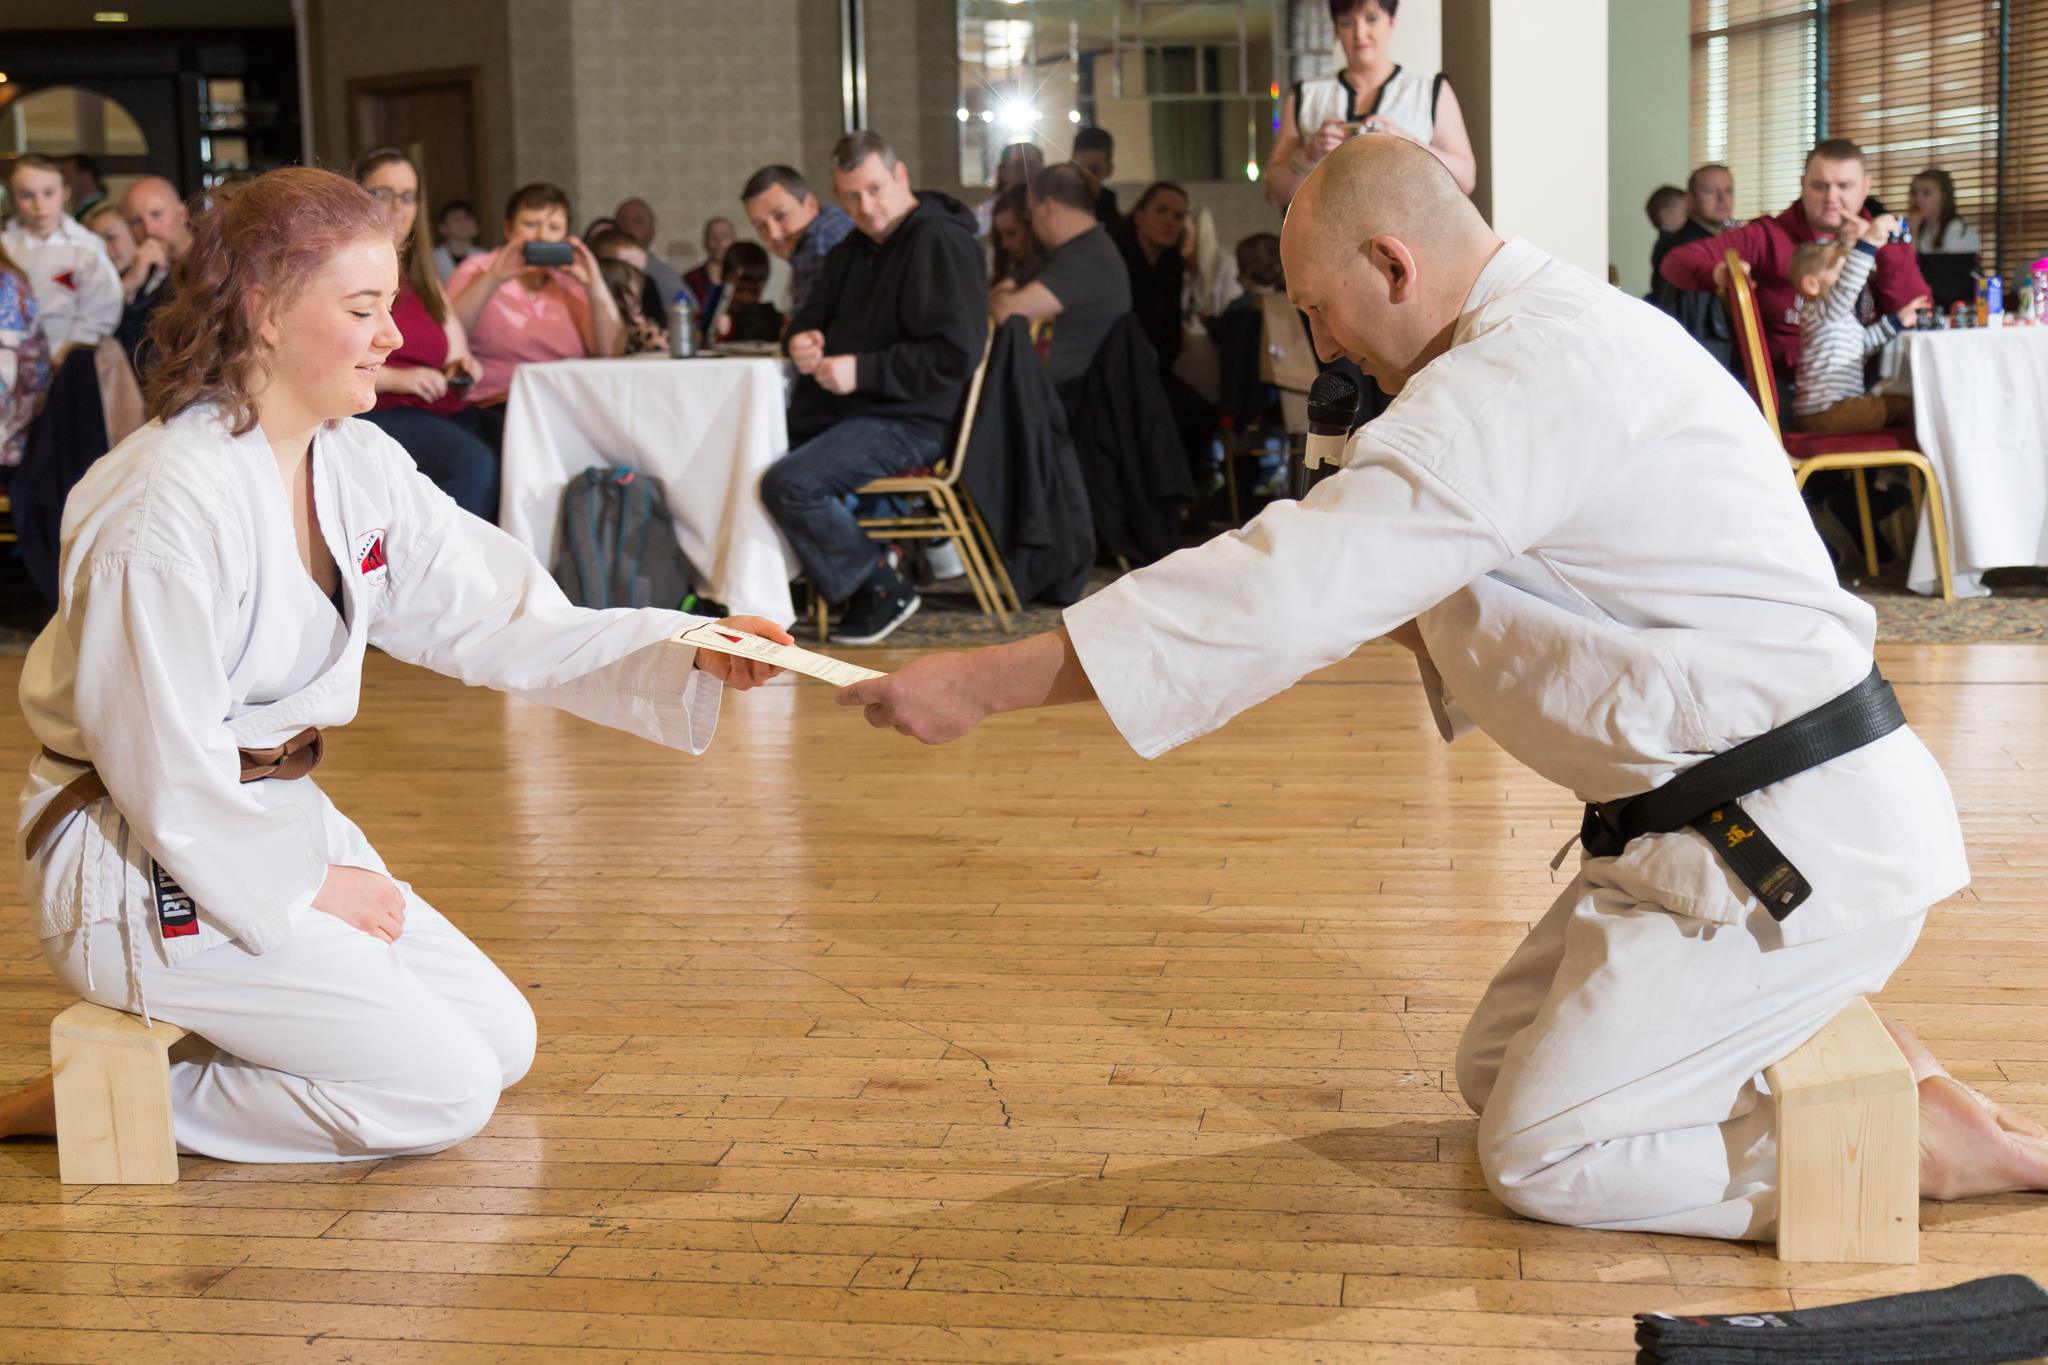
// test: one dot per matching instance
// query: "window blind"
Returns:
(2023, 219)
(1753, 96)
(1915, 84)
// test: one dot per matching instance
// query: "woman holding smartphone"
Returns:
(539, 297)
(1372, 94)
(422, 387)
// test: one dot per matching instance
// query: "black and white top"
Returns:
(1407, 98)
(1957, 239)
(1832, 343)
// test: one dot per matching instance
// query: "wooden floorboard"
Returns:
(1018, 1050)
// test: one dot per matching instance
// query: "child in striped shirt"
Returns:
(1829, 276)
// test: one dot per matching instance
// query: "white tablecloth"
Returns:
(706, 428)
(1980, 413)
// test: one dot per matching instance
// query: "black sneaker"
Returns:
(885, 601)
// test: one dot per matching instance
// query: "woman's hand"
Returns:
(583, 269)
(424, 384)
(1333, 134)
(364, 900)
(508, 263)
(466, 363)
(735, 672)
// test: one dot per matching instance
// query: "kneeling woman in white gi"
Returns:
(222, 572)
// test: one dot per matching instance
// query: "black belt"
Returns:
(1704, 795)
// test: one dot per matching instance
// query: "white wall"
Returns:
(1549, 130)
(1649, 134)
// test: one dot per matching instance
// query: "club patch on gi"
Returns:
(177, 914)
(369, 555)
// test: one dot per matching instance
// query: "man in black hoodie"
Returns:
(884, 347)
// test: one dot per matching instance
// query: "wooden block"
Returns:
(113, 1080)
(1848, 1146)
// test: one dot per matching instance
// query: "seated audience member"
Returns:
(417, 404)
(742, 311)
(1709, 211)
(1012, 247)
(1095, 153)
(614, 243)
(1939, 233)
(75, 285)
(1150, 243)
(597, 225)
(718, 235)
(629, 285)
(792, 224)
(1211, 274)
(82, 178)
(1669, 209)
(635, 218)
(456, 229)
(1079, 287)
(885, 348)
(517, 313)
(1149, 240)
(1833, 188)
(24, 360)
(157, 214)
(1238, 331)
(145, 269)
(1833, 344)
(1014, 169)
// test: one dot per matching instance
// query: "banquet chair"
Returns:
(948, 513)
(1816, 452)
(1287, 362)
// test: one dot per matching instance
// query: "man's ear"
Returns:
(1391, 257)
(903, 174)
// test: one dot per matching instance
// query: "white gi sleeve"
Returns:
(151, 700)
(467, 600)
(1176, 649)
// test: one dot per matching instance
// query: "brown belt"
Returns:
(295, 757)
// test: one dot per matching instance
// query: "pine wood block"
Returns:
(113, 1078)
(1848, 1146)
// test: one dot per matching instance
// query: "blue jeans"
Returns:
(448, 451)
(806, 492)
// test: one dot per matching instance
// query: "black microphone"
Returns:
(1332, 409)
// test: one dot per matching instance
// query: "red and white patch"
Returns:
(369, 556)
(67, 278)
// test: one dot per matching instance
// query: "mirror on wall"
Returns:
(1189, 88)
(62, 119)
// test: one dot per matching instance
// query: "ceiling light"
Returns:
(1073, 115)
(960, 114)
(110, 16)
(1019, 115)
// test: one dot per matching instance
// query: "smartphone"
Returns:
(548, 253)
(460, 380)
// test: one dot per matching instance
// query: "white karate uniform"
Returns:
(188, 628)
(75, 283)
(1613, 574)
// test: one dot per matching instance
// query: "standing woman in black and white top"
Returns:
(1371, 94)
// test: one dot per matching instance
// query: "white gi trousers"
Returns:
(1616, 1062)
(331, 1046)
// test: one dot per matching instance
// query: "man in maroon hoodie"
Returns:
(1830, 200)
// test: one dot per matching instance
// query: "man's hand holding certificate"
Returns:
(749, 647)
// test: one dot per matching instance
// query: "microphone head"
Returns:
(1333, 400)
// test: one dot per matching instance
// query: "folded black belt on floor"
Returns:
(1704, 797)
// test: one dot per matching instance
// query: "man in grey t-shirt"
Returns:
(1079, 286)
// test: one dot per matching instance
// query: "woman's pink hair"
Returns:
(274, 234)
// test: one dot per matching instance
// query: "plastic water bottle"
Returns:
(1994, 302)
(682, 327)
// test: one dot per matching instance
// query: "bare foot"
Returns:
(30, 1111)
(1924, 1065)
(1966, 1150)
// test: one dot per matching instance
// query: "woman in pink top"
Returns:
(421, 388)
(516, 313)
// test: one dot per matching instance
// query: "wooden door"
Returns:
(431, 116)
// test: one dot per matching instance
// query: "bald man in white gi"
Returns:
(1589, 537)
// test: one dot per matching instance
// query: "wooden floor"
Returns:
(1022, 1050)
